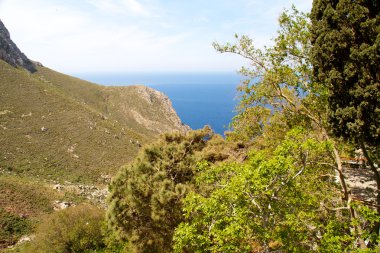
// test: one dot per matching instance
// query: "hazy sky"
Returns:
(74, 36)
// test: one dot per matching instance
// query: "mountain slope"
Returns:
(59, 127)
(55, 128)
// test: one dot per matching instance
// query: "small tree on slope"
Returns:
(145, 197)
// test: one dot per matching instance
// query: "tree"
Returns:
(145, 197)
(279, 93)
(346, 58)
(273, 202)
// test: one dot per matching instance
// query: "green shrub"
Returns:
(75, 229)
(12, 227)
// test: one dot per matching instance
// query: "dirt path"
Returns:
(361, 183)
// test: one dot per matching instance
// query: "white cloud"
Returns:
(106, 5)
(136, 7)
(133, 7)
(132, 35)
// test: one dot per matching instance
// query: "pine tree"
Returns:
(145, 197)
(346, 58)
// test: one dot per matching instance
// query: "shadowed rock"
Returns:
(10, 53)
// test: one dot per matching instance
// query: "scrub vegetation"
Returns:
(283, 180)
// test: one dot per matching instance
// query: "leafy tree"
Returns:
(346, 58)
(145, 197)
(279, 93)
(274, 201)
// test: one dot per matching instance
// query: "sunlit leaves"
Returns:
(272, 201)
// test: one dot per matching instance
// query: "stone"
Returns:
(10, 53)
(58, 187)
(59, 205)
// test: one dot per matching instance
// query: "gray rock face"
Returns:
(10, 53)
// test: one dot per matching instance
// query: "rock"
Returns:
(72, 148)
(5, 112)
(39, 64)
(58, 187)
(10, 53)
(25, 238)
(157, 98)
(106, 178)
(59, 205)
(26, 115)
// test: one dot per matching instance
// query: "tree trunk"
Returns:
(347, 196)
(376, 175)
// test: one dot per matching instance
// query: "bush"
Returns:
(75, 229)
(145, 197)
(12, 227)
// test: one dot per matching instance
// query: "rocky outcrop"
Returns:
(160, 100)
(10, 53)
(150, 109)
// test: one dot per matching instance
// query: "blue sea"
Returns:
(199, 98)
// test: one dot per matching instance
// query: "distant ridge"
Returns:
(10, 53)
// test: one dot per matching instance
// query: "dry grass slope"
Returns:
(58, 127)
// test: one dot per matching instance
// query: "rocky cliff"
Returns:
(10, 53)
(146, 114)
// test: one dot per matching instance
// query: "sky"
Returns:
(114, 36)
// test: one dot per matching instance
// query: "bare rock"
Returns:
(58, 187)
(59, 205)
(10, 53)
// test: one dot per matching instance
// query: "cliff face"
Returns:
(10, 53)
(153, 96)
(154, 112)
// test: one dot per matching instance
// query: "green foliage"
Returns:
(145, 197)
(75, 229)
(12, 227)
(274, 201)
(22, 203)
(345, 57)
(278, 82)
(25, 198)
(278, 96)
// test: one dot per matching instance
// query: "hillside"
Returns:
(59, 127)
